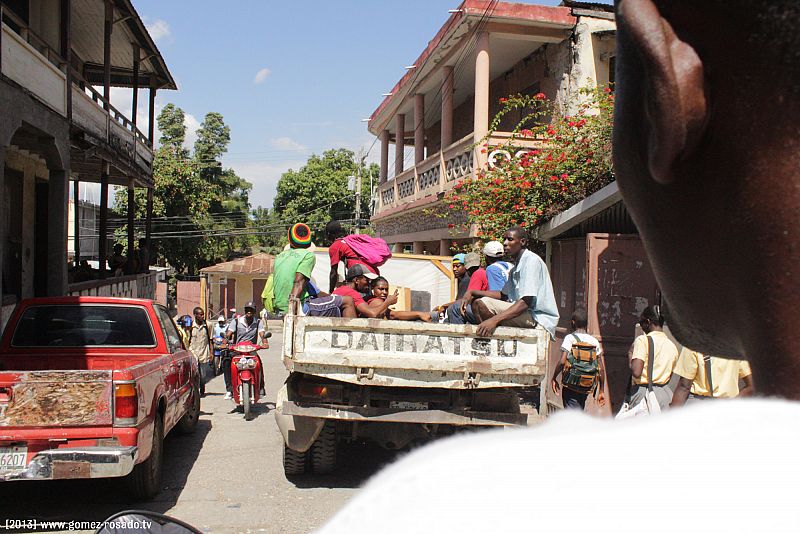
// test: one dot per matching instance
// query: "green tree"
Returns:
(317, 192)
(171, 123)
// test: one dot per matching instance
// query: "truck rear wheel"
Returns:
(294, 463)
(144, 482)
(323, 451)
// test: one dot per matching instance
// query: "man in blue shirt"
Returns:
(496, 274)
(527, 297)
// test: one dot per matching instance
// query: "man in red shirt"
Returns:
(339, 251)
(478, 280)
(356, 285)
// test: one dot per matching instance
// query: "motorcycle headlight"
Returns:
(246, 363)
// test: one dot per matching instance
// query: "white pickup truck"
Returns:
(396, 382)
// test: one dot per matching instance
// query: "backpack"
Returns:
(582, 368)
(268, 294)
(371, 250)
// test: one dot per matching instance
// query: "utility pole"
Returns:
(361, 158)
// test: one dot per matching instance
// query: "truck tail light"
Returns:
(318, 391)
(126, 405)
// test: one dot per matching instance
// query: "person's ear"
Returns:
(676, 104)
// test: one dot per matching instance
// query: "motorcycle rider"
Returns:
(247, 328)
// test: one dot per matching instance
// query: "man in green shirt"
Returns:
(293, 268)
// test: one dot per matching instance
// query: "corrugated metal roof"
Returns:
(256, 264)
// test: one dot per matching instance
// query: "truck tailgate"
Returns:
(55, 398)
(414, 354)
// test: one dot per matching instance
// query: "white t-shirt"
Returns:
(566, 346)
(716, 467)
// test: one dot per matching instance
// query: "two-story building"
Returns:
(444, 104)
(59, 60)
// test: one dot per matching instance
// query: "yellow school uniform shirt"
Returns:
(725, 374)
(666, 354)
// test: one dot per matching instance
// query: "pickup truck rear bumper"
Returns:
(390, 415)
(73, 463)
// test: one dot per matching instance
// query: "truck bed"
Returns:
(414, 354)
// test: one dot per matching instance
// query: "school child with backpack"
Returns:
(581, 366)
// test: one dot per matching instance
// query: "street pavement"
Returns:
(226, 477)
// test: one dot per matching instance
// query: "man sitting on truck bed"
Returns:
(379, 293)
(356, 285)
(527, 298)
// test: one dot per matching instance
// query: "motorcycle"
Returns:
(246, 376)
(219, 346)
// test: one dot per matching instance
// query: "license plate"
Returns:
(405, 405)
(13, 458)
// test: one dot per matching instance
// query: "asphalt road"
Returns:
(226, 477)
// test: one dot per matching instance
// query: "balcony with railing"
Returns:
(429, 180)
(27, 60)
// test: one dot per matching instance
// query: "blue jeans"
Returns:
(573, 399)
(454, 315)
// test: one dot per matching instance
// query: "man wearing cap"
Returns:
(492, 278)
(356, 285)
(293, 268)
(246, 328)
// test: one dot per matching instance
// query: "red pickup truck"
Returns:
(89, 387)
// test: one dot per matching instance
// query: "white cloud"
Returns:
(264, 177)
(287, 144)
(192, 125)
(158, 29)
(261, 75)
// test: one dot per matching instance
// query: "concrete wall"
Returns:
(44, 133)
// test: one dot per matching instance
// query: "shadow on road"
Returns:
(66, 500)
(357, 463)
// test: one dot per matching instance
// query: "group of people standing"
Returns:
(653, 360)
(199, 337)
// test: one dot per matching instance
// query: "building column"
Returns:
(419, 247)
(481, 97)
(66, 48)
(419, 128)
(28, 264)
(384, 175)
(103, 231)
(148, 227)
(76, 223)
(131, 225)
(151, 128)
(2, 223)
(135, 102)
(107, 28)
(444, 247)
(58, 200)
(399, 142)
(447, 108)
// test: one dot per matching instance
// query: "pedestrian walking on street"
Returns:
(655, 344)
(709, 377)
(581, 365)
(200, 346)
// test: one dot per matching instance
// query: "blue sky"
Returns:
(290, 78)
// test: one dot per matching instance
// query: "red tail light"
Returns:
(126, 403)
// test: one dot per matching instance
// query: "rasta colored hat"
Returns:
(459, 258)
(300, 235)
